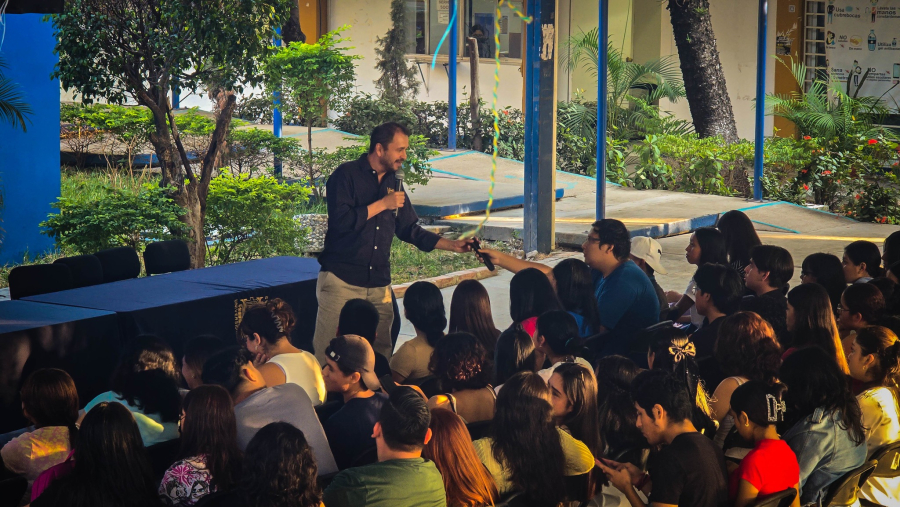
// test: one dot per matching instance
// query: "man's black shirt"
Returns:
(358, 251)
(771, 306)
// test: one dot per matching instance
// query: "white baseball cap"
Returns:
(650, 251)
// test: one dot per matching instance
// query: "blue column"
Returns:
(29, 161)
(760, 100)
(532, 67)
(451, 99)
(276, 115)
(602, 106)
(176, 97)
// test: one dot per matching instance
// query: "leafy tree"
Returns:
(13, 108)
(141, 49)
(398, 79)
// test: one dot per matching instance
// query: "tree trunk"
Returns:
(704, 80)
(475, 95)
(291, 31)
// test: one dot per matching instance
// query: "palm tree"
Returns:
(13, 108)
(630, 116)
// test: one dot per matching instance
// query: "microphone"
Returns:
(398, 184)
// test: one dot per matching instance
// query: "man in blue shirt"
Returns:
(626, 298)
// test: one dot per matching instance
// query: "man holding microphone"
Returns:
(367, 206)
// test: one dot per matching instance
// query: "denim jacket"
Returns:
(825, 452)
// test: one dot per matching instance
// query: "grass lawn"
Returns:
(408, 263)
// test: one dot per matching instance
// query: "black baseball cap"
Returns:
(353, 352)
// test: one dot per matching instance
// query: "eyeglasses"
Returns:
(592, 240)
(841, 309)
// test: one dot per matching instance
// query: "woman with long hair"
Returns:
(515, 352)
(861, 262)
(146, 381)
(747, 349)
(461, 364)
(826, 270)
(50, 402)
(891, 249)
(466, 481)
(671, 350)
(875, 363)
(423, 305)
(279, 470)
(573, 394)
(110, 468)
(706, 246)
(530, 295)
(210, 459)
(523, 429)
(266, 331)
(811, 322)
(575, 289)
(819, 402)
(740, 237)
(862, 305)
(470, 312)
(617, 415)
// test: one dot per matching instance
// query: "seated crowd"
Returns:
(605, 391)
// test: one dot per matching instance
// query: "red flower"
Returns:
(806, 138)
(826, 173)
(857, 196)
(804, 171)
(873, 141)
(884, 220)
(805, 187)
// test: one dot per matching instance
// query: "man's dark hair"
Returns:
(200, 348)
(359, 317)
(404, 420)
(723, 284)
(660, 387)
(613, 232)
(776, 261)
(384, 134)
(224, 368)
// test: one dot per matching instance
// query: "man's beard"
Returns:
(388, 162)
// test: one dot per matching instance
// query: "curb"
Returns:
(448, 280)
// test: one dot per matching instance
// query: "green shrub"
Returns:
(254, 150)
(115, 218)
(250, 218)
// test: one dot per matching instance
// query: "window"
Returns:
(427, 20)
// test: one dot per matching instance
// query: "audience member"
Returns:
(360, 317)
(891, 249)
(747, 350)
(767, 275)
(423, 306)
(706, 246)
(400, 434)
(50, 403)
(470, 312)
(646, 252)
(888, 292)
(558, 342)
(110, 466)
(524, 429)
(466, 482)
(575, 289)
(819, 403)
(462, 366)
(826, 270)
(195, 352)
(618, 417)
(515, 352)
(861, 262)
(811, 322)
(349, 372)
(771, 467)
(210, 459)
(531, 294)
(874, 359)
(690, 469)
(626, 299)
(146, 382)
(256, 404)
(270, 324)
(671, 350)
(718, 294)
(573, 395)
(740, 238)
(279, 471)
(862, 305)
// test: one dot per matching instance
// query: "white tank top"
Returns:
(301, 368)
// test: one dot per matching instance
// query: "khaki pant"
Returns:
(333, 293)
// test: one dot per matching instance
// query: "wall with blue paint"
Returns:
(29, 162)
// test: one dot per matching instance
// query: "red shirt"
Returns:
(770, 467)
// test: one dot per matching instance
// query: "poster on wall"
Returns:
(861, 36)
(443, 9)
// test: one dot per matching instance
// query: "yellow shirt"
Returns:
(579, 459)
